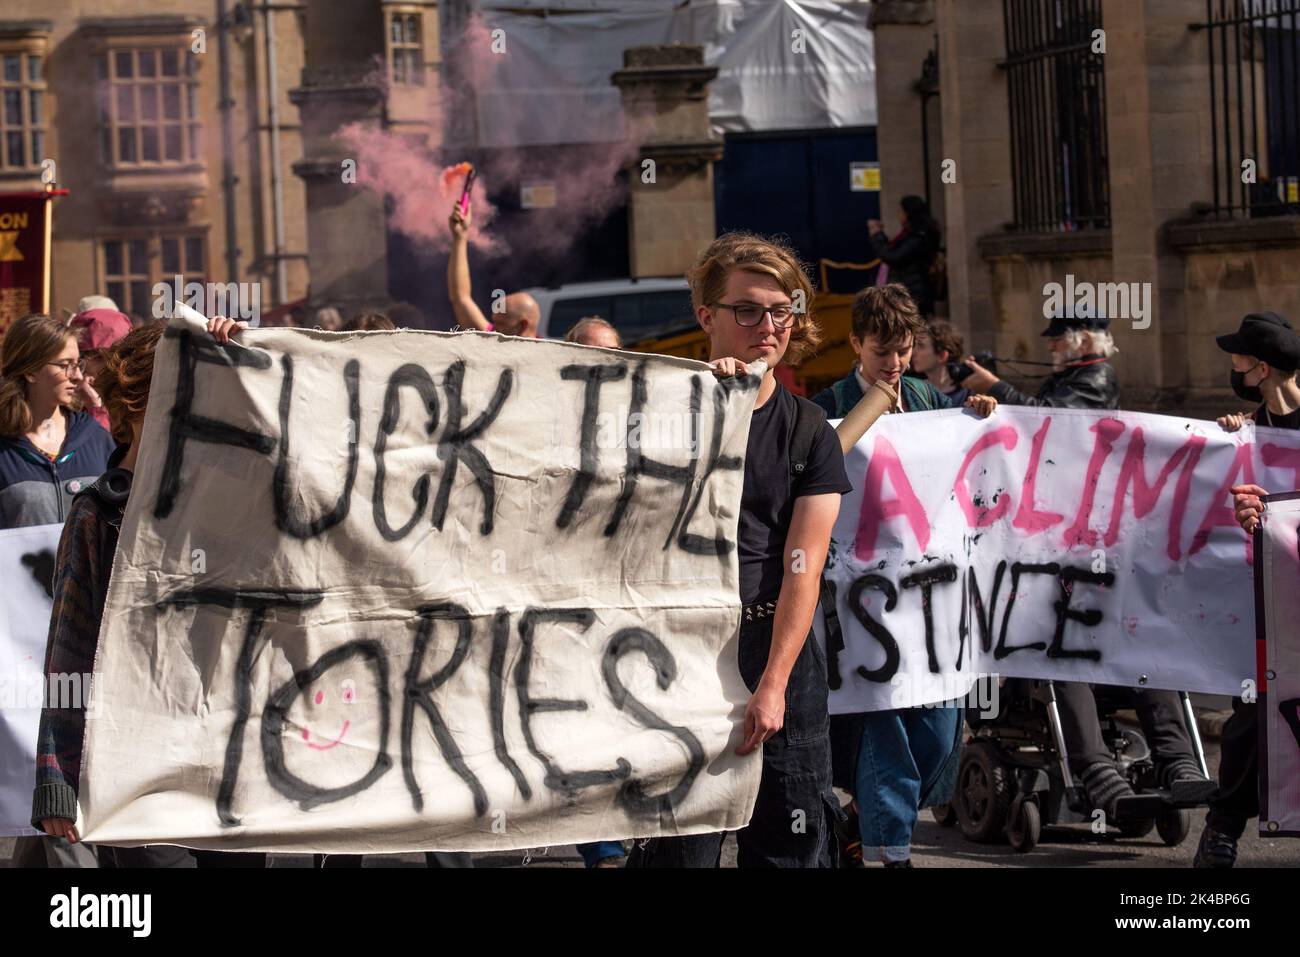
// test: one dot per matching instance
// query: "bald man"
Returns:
(522, 313)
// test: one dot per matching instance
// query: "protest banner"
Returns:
(27, 570)
(1045, 543)
(1277, 576)
(383, 592)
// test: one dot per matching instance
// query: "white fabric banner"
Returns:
(383, 592)
(1279, 689)
(27, 570)
(1046, 543)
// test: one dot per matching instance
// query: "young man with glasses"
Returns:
(746, 292)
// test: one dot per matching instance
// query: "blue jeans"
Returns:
(599, 850)
(900, 757)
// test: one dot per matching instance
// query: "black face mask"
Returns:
(1248, 393)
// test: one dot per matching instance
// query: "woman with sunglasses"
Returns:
(48, 453)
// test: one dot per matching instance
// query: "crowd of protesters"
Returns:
(73, 397)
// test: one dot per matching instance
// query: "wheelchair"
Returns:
(1014, 775)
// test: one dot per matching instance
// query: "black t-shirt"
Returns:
(767, 502)
(1274, 421)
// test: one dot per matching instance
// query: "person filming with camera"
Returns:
(1082, 376)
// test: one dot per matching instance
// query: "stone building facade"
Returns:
(198, 138)
(191, 140)
(1166, 223)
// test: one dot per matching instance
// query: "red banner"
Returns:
(24, 255)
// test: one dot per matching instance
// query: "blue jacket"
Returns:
(36, 491)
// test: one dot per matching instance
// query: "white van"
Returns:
(638, 308)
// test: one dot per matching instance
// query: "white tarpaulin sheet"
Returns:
(1279, 689)
(26, 569)
(1046, 543)
(409, 591)
(782, 65)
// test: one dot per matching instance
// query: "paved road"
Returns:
(1069, 846)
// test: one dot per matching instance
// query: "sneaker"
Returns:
(1216, 850)
(1105, 785)
(906, 863)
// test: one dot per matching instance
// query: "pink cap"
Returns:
(99, 328)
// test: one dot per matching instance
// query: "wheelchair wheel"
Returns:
(1136, 829)
(983, 793)
(1173, 824)
(945, 814)
(1025, 827)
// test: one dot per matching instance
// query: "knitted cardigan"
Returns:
(81, 576)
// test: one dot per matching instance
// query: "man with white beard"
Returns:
(1082, 376)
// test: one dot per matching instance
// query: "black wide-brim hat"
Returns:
(1266, 336)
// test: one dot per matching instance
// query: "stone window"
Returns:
(1056, 91)
(22, 109)
(148, 115)
(405, 49)
(132, 265)
(1254, 83)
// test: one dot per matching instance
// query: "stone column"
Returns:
(904, 32)
(1157, 104)
(346, 225)
(977, 136)
(670, 211)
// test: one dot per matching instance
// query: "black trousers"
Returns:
(1160, 712)
(434, 859)
(1237, 799)
(794, 815)
(151, 855)
(223, 859)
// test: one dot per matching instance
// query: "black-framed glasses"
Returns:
(749, 314)
(67, 365)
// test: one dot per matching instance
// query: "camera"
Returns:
(960, 370)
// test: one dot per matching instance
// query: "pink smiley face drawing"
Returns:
(347, 694)
(339, 699)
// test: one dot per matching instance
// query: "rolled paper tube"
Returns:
(185, 312)
(879, 399)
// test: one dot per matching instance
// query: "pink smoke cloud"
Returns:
(422, 195)
(585, 178)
